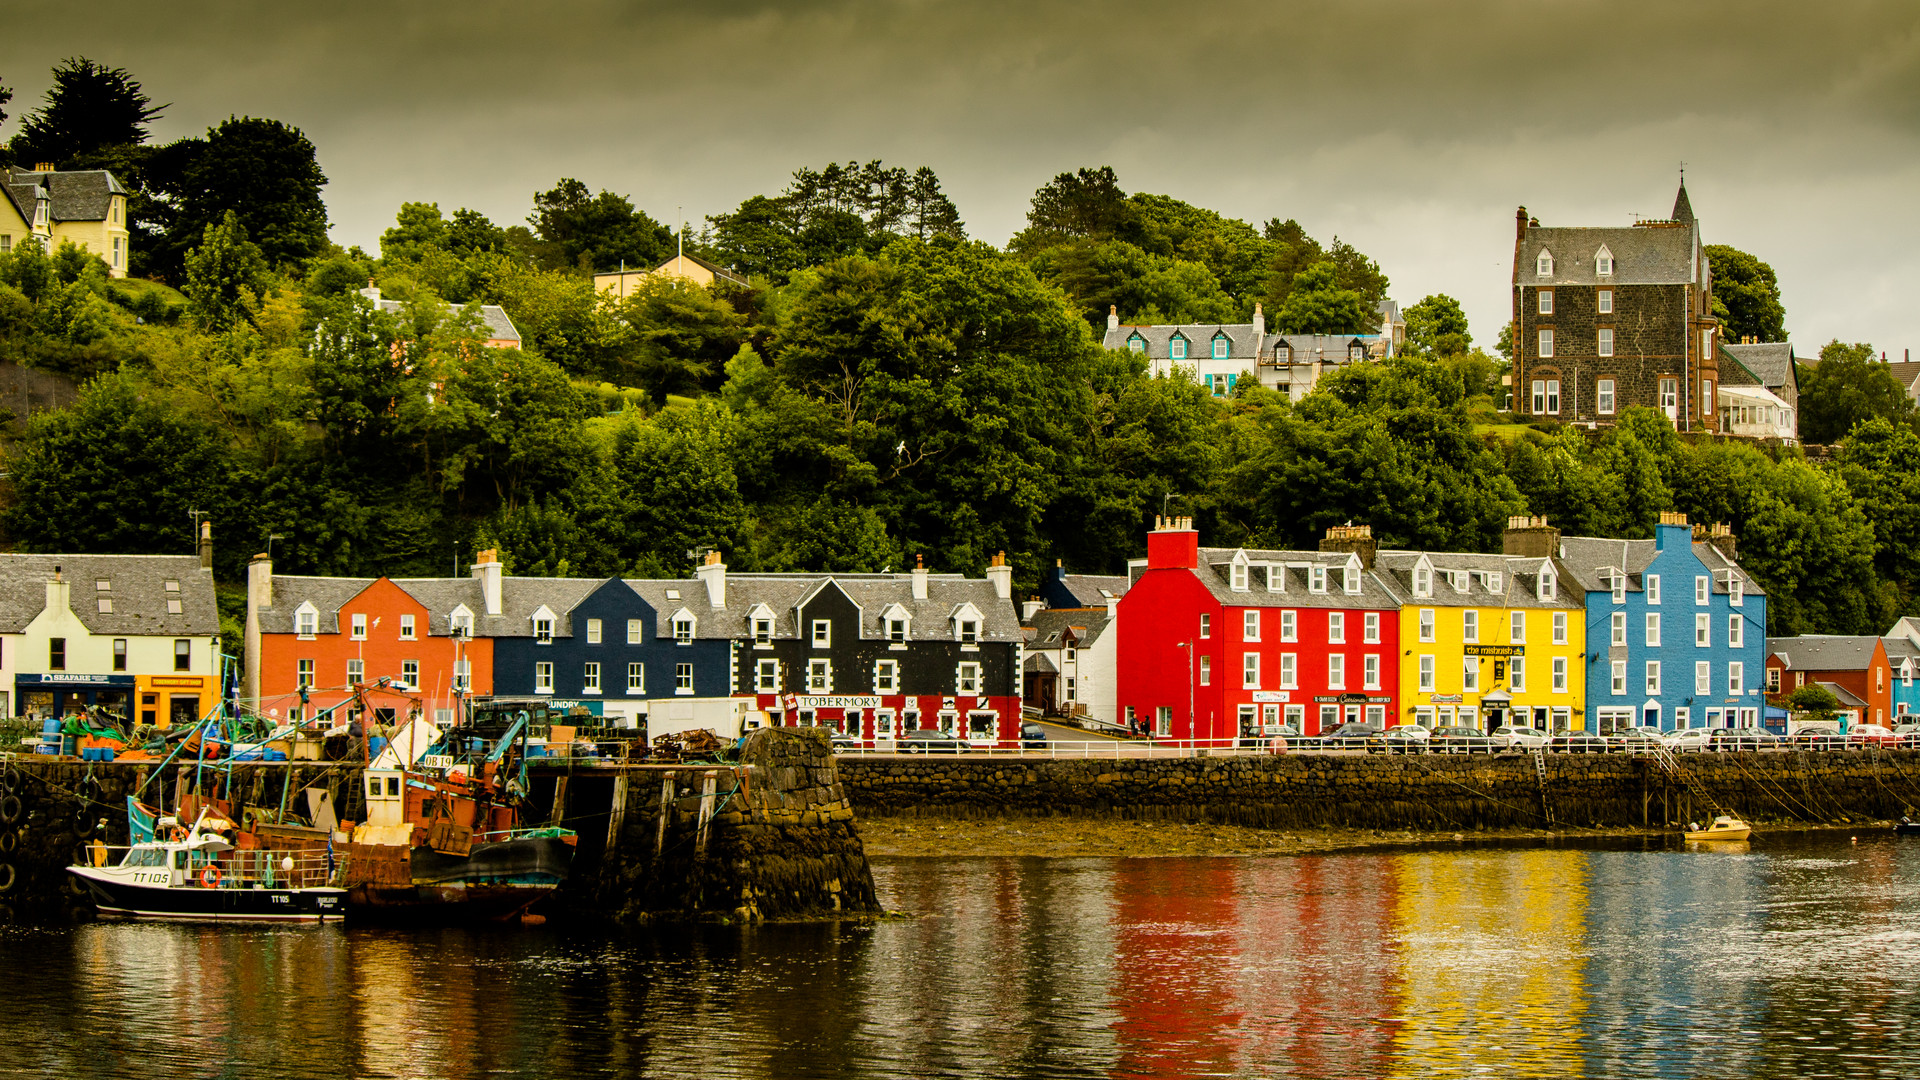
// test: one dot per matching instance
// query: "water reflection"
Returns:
(1794, 958)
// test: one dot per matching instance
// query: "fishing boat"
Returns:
(197, 873)
(1723, 827)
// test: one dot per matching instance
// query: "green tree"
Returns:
(1848, 386)
(598, 232)
(262, 171)
(1436, 326)
(1318, 304)
(226, 275)
(1746, 296)
(677, 337)
(1083, 205)
(89, 108)
(472, 233)
(1880, 464)
(418, 228)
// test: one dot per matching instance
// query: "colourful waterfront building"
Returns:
(1231, 643)
(1490, 639)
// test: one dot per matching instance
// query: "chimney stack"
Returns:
(1669, 521)
(1001, 575)
(1259, 322)
(1031, 606)
(1357, 539)
(1520, 224)
(1173, 544)
(1721, 537)
(713, 573)
(1530, 538)
(1113, 316)
(919, 578)
(206, 545)
(259, 595)
(486, 567)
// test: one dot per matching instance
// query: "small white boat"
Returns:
(1724, 827)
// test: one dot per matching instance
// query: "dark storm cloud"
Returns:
(1410, 129)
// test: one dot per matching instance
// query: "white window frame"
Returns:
(1206, 670)
(1702, 590)
(1559, 628)
(359, 627)
(820, 636)
(593, 631)
(1516, 628)
(543, 677)
(1703, 631)
(1370, 671)
(1651, 582)
(1553, 390)
(1250, 624)
(543, 631)
(683, 629)
(1653, 678)
(1559, 674)
(410, 672)
(819, 676)
(1702, 677)
(306, 622)
(633, 631)
(356, 671)
(966, 677)
(1619, 637)
(1603, 345)
(1620, 678)
(1422, 581)
(1317, 579)
(406, 628)
(463, 674)
(1470, 675)
(590, 677)
(1426, 624)
(1336, 628)
(1250, 671)
(1350, 579)
(766, 676)
(304, 674)
(886, 676)
(1736, 591)
(637, 677)
(1543, 266)
(1289, 625)
(1426, 673)
(1736, 631)
(1736, 678)
(1289, 671)
(1470, 626)
(1370, 628)
(1206, 626)
(1237, 577)
(1517, 674)
(683, 679)
(1652, 637)
(1546, 301)
(1603, 302)
(1336, 671)
(1545, 342)
(1604, 396)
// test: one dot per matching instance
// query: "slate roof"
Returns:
(1641, 255)
(520, 597)
(136, 585)
(1215, 572)
(1051, 624)
(927, 620)
(1244, 343)
(1584, 557)
(1899, 648)
(325, 593)
(1328, 348)
(1847, 698)
(77, 195)
(1040, 663)
(716, 271)
(1089, 589)
(1824, 652)
(1519, 580)
(493, 316)
(1907, 626)
(1771, 362)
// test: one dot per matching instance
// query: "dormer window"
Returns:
(1736, 591)
(1457, 579)
(683, 629)
(1356, 352)
(897, 630)
(1603, 262)
(1351, 580)
(1177, 348)
(1283, 354)
(1619, 587)
(1276, 578)
(1422, 581)
(543, 631)
(1136, 344)
(763, 631)
(1547, 589)
(460, 622)
(1493, 581)
(1238, 576)
(1317, 579)
(1543, 266)
(969, 632)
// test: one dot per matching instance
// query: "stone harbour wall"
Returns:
(1417, 792)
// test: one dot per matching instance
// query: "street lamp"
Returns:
(1191, 662)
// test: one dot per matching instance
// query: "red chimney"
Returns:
(1173, 545)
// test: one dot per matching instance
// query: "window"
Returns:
(463, 674)
(1559, 674)
(1546, 343)
(1553, 395)
(1517, 628)
(1702, 631)
(1177, 348)
(1603, 301)
(1546, 301)
(1619, 628)
(593, 631)
(1669, 395)
(1470, 675)
(1702, 588)
(1620, 677)
(1250, 671)
(1289, 626)
(1276, 578)
(1370, 670)
(1426, 624)
(406, 628)
(819, 676)
(1653, 678)
(1289, 671)
(410, 672)
(1706, 397)
(969, 632)
(1070, 651)
(1426, 673)
(1559, 628)
(1250, 625)
(543, 631)
(1219, 347)
(1221, 384)
(590, 679)
(359, 628)
(766, 677)
(1736, 591)
(683, 678)
(1653, 629)
(822, 633)
(1543, 266)
(1163, 721)
(1317, 579)
(1372, 632)
(1653, 588)
(1703, 677)
(1603, 263)
(886, 676)
(1736, 678)
(1136, 343)
(119, 654)
(461, 623)
(683, 629)
(637, 678)
(1072, 691)
(182, 654)
(542, 677)
(967, 678)
(1470, 626)
(1517, 674)
(1206, 671)
(1337, 627)
(1355, 352)
(305, 676)
(356, 672)
(1773, 680)
(1206, 626)
(1422, 581)
(1493, 581)
(633, 631)
(306, 622)
(897, 630)
(104, 605)
(1539, 396)
(1350, 580)
(1604, 346)
(1336, 672)
(1736, 632)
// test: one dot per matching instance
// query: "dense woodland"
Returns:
(885, 387)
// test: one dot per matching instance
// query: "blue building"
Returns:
(1903, 657)
(1676, 631)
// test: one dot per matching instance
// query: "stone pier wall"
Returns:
(1419, 792)
(779, 840)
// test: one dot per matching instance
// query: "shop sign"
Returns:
(1448, 699)
(1271, 695)
(1496, 650)
(832, 701)
(178, 682)
(61, 678)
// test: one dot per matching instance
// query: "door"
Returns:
(855, 724)
(1670, 398)
(1270, 718)
(883, 730)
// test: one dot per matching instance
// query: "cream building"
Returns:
(686, 267)
(88, 207)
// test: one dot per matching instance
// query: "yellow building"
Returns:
(87, 207)
(1487, 640)
(686, 267)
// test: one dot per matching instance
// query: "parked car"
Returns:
(927, 741)
(1907, 735)
(1405, 739)
(1516, 737)
(1352, 735)
(1870, 734)
(1744, 738)
(843, 742)
(1816, 738)
(1033, 736)
(1578, 742)
(1688, 740)
(1284, 737)
(1639, 737)
(1459, 740)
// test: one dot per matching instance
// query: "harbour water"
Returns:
(1797, 958)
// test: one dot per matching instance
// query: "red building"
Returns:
(1220, 644)
(1853, 668)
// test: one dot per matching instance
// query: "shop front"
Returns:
(58, 694)
(167, 700)
(877, 720)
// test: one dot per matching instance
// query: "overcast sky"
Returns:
(1409, 130)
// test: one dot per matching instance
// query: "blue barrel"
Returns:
(375, 744)
(70, 745)
(51, 729)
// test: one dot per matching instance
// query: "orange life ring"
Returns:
(210, 878)
(176, 834)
